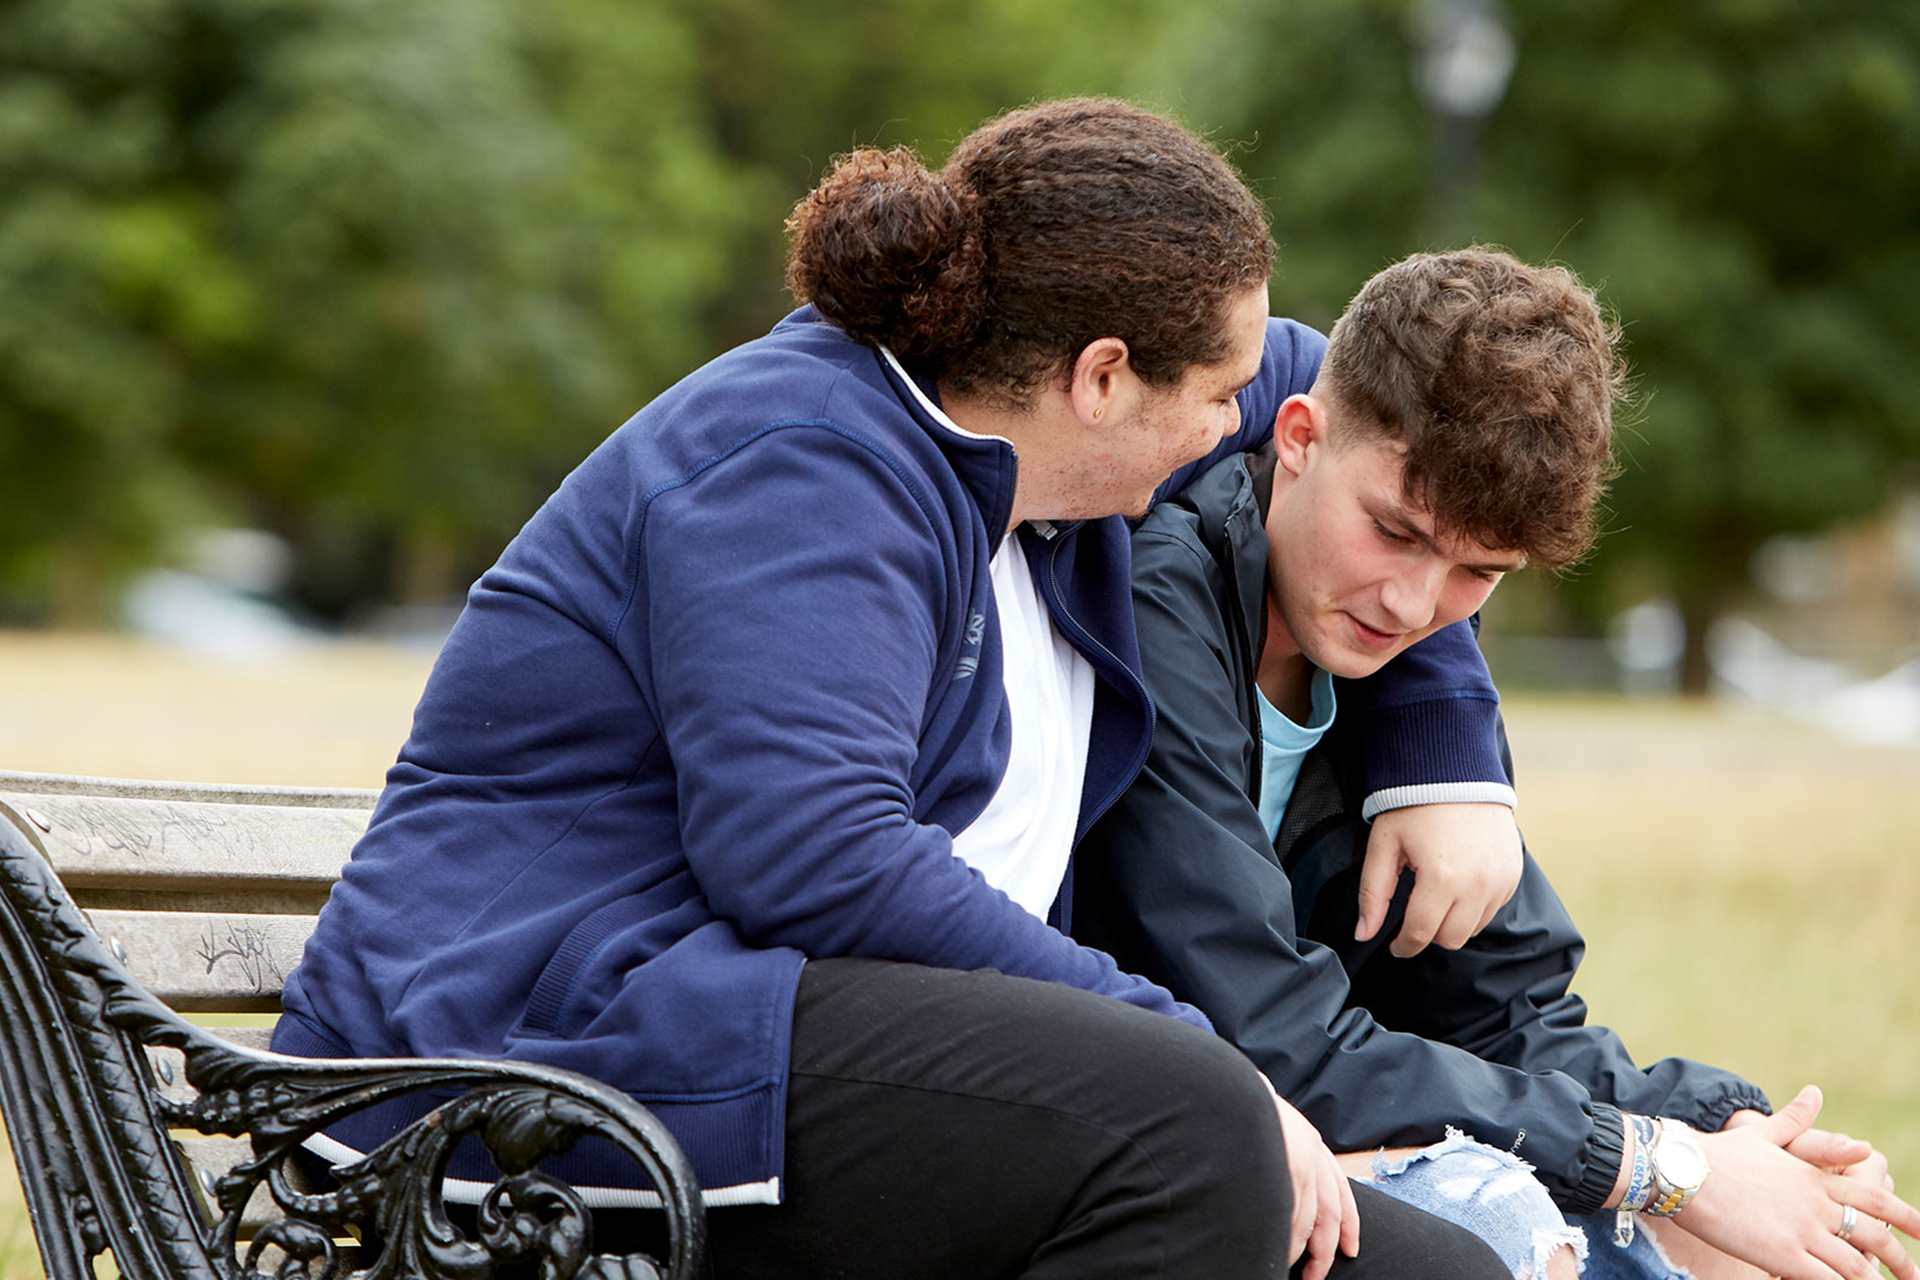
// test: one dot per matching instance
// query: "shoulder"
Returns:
(1195, 516)
(1181, 547)
(802, 415)
(1169, 544)
(1293, 354)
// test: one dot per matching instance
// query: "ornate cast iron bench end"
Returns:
(92, 1134)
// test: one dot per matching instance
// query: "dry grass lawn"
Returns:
(1747, 886)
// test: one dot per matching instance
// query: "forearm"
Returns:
(1213, 923)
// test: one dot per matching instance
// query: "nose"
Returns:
(1411, 598)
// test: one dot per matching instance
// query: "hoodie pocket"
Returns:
(550, 995)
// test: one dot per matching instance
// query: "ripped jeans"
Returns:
(1494, 1194)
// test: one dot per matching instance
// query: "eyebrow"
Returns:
(1391, 512)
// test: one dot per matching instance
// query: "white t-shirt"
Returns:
(1021, 841)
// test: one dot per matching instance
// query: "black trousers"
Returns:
(966, 1126)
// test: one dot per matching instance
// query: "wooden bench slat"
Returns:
(199, 962)
(197, 792)
(102, 841)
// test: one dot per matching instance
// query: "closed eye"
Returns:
(1389, 536)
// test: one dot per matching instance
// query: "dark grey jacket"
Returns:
(1180, 883)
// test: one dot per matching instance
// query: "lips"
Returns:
(1372, 637)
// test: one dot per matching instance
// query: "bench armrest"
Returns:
(90, 1124)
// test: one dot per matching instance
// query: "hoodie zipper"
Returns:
(1083, 640)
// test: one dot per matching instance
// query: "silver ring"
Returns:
(1849, 1219)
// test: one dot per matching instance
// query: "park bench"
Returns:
(178, 1148)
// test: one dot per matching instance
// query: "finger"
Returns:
(1873, 1170)
(1872, 1237)
(1378, 876)
(1512, 889)
(1425, 910)
(1456, 930)
(1811, 1266)
(1306, 1201)
(1486, 918)
(1876, 1202)
(1843, 1257)
(1349, 1220)
(1325, 1240)
(1829, 1150)
(1305, 1204)
(1794, 1119)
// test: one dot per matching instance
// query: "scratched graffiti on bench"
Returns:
(85, 824)
(247, 945)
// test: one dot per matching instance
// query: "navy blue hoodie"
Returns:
(716, 709)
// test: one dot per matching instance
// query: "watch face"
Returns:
(1681, 1163)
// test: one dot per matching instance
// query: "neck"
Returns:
(1285, 675)
(1031, 430)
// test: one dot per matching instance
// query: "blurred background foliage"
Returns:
(374, 274)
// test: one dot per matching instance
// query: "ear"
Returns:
(1101, 381)
(1297, 428)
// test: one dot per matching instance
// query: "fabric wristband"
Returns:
(1646, 1131)
(1639, 1181)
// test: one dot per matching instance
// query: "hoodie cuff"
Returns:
(1437, 793)
(1439, 740)
(1606, 1150)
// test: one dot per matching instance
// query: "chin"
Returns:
(1353, 666)
(1345, 661)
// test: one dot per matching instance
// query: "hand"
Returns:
(1324, 1215)
(1466, 863)
(1767, 1206)
(1833, 1152)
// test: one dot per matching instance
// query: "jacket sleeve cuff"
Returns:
(1437, 793)
(1606, 1149)
(1742, 1096)
(1439, 740)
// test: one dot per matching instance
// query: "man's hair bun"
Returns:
(891, 253)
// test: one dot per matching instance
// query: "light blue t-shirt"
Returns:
(1284, 744)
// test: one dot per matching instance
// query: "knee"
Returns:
(1224, 1116)
(1494, 1195)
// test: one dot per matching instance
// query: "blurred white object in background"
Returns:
(1885, 711)
(1750, 663)
(221, 604)
(1647, 642)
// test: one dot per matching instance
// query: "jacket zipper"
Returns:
(1244, 643)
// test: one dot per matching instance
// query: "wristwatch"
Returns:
(1679, 1169)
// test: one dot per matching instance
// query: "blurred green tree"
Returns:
(1739, 178)
(338, 268)
(375, 273)
(1744, 178)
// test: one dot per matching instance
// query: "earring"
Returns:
(1099, 411)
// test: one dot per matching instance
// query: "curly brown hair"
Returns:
(1049, 227)
(1499, 380)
